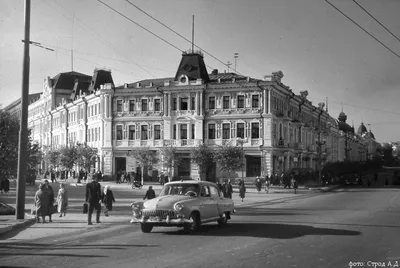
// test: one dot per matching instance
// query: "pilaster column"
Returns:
(268, 101)
(201, 103)
(197, 103)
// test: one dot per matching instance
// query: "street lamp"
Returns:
(320, 143)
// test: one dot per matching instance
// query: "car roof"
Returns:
(192, 182)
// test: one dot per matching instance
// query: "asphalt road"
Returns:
(348, 228)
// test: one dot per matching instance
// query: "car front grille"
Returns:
(162, 213)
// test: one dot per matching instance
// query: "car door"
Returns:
(209, 204)
(220, 202)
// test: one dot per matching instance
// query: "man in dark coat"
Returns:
(227, 189)
(93, 197)
(50, 194)
(150, 194)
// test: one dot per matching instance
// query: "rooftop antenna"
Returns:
(342, 107)
(228, 64)
(72, 50)
(326, 104)
(193, 34)
(235, 55)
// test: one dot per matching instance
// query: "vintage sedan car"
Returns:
(185, 204)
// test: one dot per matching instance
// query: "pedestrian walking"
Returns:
(150, 194)
(227, 189)
(50, 195)
(267, 184)
(62, 200)
(41, 203)
(258, 184)
(107, 198)
(93, 197)
(5, 185)
(242, 189)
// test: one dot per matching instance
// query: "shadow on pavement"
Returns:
(50, 254)
(49, 247)
(266, 230)
(248, 211)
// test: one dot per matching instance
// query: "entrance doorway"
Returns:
(120, 164)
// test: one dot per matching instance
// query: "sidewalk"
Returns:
(77, 220)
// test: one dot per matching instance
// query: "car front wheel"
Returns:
(146, 228)
(194, 225)
(223, 219)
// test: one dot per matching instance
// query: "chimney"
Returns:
(214, 72)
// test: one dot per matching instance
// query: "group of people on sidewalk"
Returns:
(227, 189)
(44, 201)
(94, 198)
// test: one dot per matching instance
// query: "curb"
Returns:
(25, 223)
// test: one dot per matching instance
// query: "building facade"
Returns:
(277, 129)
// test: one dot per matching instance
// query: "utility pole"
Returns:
(23, 132)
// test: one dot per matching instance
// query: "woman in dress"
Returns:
(107, 198)
(41, 203)
(242, 189)
(62, 200)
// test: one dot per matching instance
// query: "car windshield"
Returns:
(181, 189)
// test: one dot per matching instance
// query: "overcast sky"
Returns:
(315, 46)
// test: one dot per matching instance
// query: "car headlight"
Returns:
(178, 207)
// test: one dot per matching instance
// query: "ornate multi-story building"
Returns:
(277, 129)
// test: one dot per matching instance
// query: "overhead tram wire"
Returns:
(357, 106)
(380, 42)
(175, 32)
(142, 27)
(366, 11)
(96, 35)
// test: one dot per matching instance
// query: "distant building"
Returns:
(14, 108)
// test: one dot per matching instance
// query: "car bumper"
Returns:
(162, 222)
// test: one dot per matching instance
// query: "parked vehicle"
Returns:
(186, 204)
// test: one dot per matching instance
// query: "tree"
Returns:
(203, 157)
(51, 158)
(68, 157)
(145, 157)
(9, 139)
(170, 159)
(86, 156)
(229, 158)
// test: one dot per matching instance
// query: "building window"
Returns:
(226, 129)
(95, 110)
(211, 103)
(144, 132)
(193, 105)
(174, 132)
(144, 105)
(211, 131)
(225, 102)
(131, 132)
(174, 104)
(240, 130)
(184, 104)
(184, 131)
(119, 106)
(157, 105)
(240, 101)
(119, 133)
(157, 132)
(131, 105)
(255, 101)
(255, 130)
(193, 131)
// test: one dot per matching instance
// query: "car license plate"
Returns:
(154, 218)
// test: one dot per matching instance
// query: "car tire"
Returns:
(190, 228)
(146, 228)
(223, 219)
